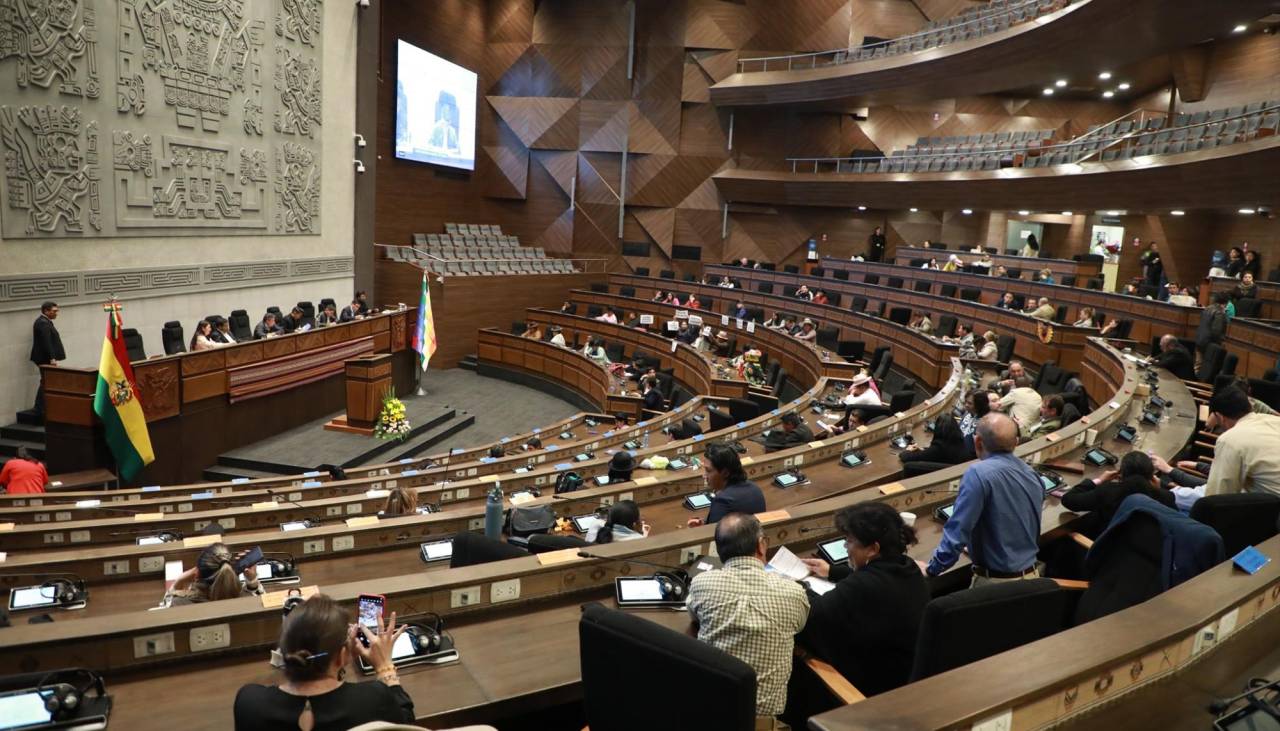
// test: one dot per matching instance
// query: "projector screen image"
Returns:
(435, 109)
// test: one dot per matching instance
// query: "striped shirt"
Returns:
(754, 616)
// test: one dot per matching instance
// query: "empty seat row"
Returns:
(472, 229)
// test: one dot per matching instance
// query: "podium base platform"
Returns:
(341, 424)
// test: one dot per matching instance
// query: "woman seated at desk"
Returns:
(947, 446)
(623, 524)
(202, 339)
(594, 349)
(212, 579)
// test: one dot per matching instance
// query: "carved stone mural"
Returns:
(215, 124)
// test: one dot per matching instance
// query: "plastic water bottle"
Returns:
(644, 440)
(493, 512)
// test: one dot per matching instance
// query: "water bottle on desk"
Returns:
(493, 512)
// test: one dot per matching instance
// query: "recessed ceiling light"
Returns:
(913, 210)
(1123, 86)
(1178, 213)
(1247, 211)
(1240, 28)
(1113, 213)
(1060, 83)
(1066, 213)
(862, 208)
(967, 211)
(1048, 91)
(1104, 75)
(1108, 94)
(1024, 213)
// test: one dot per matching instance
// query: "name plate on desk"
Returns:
(363, 520)
(1250, 560)
(772, 516)
(150, 516)
(646, 480)
(564, 555)
(891, 488)
(264, 505)
(200, 541)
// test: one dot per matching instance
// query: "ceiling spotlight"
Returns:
(1060, 83)
(1113, 213)
(967, 211)
(1066, 213)
(1240, 28)
(1247, 211)
(862, 208)
(1178, 213)
(1104, 75)
(1108, 94)
(914, 210)
(1048, 91)
(1024, 213)
(1123, 86)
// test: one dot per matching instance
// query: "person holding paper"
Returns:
(866, 626)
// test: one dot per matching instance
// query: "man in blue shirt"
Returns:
(997, 513)
(734, 493)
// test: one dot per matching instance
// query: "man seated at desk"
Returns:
(1022, 404)
(293, 322)
(353, 311)
(734, 493)
(1175, 358)
(860, 392)
(1044, 310)
(267, 328)
(222, 332)
(793, 432)
(750, 613)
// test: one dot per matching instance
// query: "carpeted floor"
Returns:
(500, 408)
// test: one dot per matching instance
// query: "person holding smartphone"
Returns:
(214, 577)
(318, 643)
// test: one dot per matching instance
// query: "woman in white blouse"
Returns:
(201, 341)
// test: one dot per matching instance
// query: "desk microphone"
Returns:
(311, 521)
(678, 571)
(674, 580)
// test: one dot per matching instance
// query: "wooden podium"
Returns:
(368, 380)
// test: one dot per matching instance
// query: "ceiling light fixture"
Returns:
(862, 208)
(967, 211)
(1060, 83)
(1066, 213)
(1240, 28)
(1123, 86)
(1048, 91)
(915, 210)
(1104, 75)
(1108, 94)
(1178, 213)
(1024, 213)
(1247, 211)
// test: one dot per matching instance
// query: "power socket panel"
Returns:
(466, 596)
(150, 564)
(210, 637)
(476, 524)
(344, 543)
(114, 568)
(152, 645)
(313, 546)
(688, 555)
(504, 591)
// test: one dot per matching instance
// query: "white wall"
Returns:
(82, 324)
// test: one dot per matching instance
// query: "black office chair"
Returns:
(472, 549)
(771, 371)
(689, 277)
(1004, 348)
(519, 327)
(871, 278)
(778, 380)
(1210, 363)
(946, 326)
(133, 344)
(599, 287)
(1248, 307)
(1050, 379)
(172, 339)
(858, 304)
(660, 663)
(642, 271)
(594, 310)
(973, 624)
(922, 285)
(970, 294)
(1060, 314)
(625, 291)
(790, 268)
(901, 400)
(241, 329)
(1068, 281)
(1094, 283)
(851, 350)
(667, 274)
(841, 274)
(742, 409)
(947, 290)
(765, 287)
(276, 311)
(819, 272)
(900, 315)
(894, 283)
(828, 337)
(308, 311)
(326, 302)
(720, 419)
(614, 351)
(1243, 519)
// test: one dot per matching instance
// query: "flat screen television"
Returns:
(435, 109)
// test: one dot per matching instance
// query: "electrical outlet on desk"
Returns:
(211, 637)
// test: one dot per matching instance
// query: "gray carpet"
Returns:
(500, 408)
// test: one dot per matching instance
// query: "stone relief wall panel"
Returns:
(214, 126)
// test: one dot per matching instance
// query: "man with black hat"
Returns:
(621, 465)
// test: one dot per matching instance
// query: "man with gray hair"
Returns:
(997, 511)
(1022, 404)
(750, 613)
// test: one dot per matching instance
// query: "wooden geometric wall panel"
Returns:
(936, 9)
(531, 117)
(658, 223)
(542, 71)
(696, 86)
(558, 237)
(509, 21)
(662, 180)
(604, 73)
(505, 171)
(560, 166)
(604, 125)
(719, 65)
(810, 25)
(716, 24)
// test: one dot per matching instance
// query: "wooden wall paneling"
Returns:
(1239, 70)
(883, 19)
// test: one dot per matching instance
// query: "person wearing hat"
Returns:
(621, 465)
(860, 393)
(794, 432)
(557, 336)
(807, 333)
(954, 264)
(213, 578)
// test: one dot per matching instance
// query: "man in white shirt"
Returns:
(1245, 458)
(860, 393)
(1022, 404)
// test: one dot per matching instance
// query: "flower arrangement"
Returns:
(392, 422)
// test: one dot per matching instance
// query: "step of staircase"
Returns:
(23, 432)
(417, 448)
(469, 363)
(9, 448)
(224, 473)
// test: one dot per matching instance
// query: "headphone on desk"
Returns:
(67, 698)
(674, 584)
(66, 591)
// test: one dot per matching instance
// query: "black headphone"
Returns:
(66, 591)
(674, 584)
(568, 482)
(67, 698)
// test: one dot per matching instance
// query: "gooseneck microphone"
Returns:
(311, 521)
(678, 571)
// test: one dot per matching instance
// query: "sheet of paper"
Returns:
(751, 326)
(695, 320)
(646, 319)
(820, 586)
(724, 320)
(786, 563)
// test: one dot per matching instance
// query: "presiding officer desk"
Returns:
(491, 679)
(904, 255)
(201, 404)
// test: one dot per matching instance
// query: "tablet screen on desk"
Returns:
(639, 590)
(24, 708)
(584, 523)
(699, 501)
(150, 540)
(294, 525)
(437, 551)
(32, 597)
(403, 647)
(834, 551)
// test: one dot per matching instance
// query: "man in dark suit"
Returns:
(46, 347)
(1175, 358)
(353, 311)
(293, 321)
(794, 432)
(222, 331)
(653, 400)
(363, 298)
(876, 244)
(267, 327)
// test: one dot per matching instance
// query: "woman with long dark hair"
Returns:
(1102, 496)
(623, 524)
(946, 447)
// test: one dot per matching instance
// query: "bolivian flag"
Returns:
(424, 336)
(116, 402)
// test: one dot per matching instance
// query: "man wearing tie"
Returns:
(46, 348)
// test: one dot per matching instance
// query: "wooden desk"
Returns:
(1255, 343)
(1268, 293)
(1030, 266)
(199, 405)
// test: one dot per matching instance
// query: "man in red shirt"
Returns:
(23, 475)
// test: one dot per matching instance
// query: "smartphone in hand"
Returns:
(370, 608)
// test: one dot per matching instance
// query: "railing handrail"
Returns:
(1070, 143)
(983, 17)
